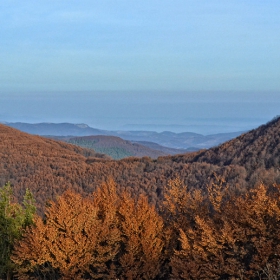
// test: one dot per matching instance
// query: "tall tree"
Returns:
(238, 239)
(107, 236)
(61, 244)
(13, 219)
(106, 250)
(79, 238)
(142, 232)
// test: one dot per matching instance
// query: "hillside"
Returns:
(115, 147)
(169, 139)
(49, 167)
(258, 151)
(35, 162)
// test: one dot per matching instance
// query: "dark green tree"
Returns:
(13, 219)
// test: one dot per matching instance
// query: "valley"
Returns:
(176, 202)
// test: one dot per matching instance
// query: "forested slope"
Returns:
(49, 167)
(43, 165)
(214, 218)
(258, 151)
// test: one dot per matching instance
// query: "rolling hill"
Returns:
(115, 147)
(169, 139)
(49, 167)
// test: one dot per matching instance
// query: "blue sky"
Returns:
(161, 64)
(177, 45)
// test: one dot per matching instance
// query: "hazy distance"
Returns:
(200, 112)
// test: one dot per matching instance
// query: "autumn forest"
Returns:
(71, 213)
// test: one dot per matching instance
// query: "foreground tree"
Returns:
(107, 236)
(74, 241)
(142, 231)
(14, 218)
(179, 209)
(238, 239)
(106, 251)
(57, 244)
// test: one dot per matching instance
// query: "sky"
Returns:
(157, 56)
(200, 112)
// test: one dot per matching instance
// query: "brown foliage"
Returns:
(51, 242)
(105, 237)
(237, 239)
(50, 167)
(142, 231)
(216, 235)
(214, 229)
(72, 240)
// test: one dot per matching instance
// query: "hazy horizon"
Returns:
(205, 113)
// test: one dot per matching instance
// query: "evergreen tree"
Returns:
(13, 219)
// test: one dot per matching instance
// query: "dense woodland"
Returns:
(219, 234)
(49, 167)
(213, 214)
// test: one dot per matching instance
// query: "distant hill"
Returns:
(154, 150)
(166, 150)
(57, 129)
(168, 139)
(115, 147)
(49, 167)
(183, 140)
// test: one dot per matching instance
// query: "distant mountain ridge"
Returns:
(169, 139)
(56, 129)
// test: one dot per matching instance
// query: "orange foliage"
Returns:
(237, 239)
(61, 241)
(216, 235)
(142, 231)
(104, 237)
